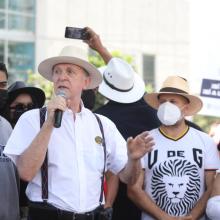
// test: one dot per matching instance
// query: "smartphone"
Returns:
(76, 33)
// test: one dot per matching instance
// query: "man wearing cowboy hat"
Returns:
(77, 151)
(124, 90)
(178, 174)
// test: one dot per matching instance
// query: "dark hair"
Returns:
(187, 100)
(4, 69)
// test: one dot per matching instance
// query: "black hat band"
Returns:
(115, 88)
(171, 89)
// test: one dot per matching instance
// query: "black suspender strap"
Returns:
(44, 167)
(104, 149)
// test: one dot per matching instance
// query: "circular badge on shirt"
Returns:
(98, 140)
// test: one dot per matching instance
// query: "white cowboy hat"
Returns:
(120, 82)
(72, 55)
(179, 86)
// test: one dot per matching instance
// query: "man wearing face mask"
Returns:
(178, 174)
(9, 184)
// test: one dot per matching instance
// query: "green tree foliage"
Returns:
(35, 79)
(205, 122)
(97, 60)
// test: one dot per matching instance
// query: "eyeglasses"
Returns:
(23, 107)
(3, 84)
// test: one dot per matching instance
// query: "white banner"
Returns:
(210, 95)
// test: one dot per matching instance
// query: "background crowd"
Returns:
(168, 170)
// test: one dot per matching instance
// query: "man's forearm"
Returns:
(112, 188)
(200, 207)
(146, 204)
(216, 188)
(131, 172)
(105, 54)
(30, 161)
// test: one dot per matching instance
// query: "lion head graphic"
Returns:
(176, 186)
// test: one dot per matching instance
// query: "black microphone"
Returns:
(59, 113)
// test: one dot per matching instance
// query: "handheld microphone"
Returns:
(59, 113)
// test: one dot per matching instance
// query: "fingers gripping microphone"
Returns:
(59, 113)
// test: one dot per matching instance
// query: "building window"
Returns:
(149, 69)
(21, 15)
(25, 6)
(2, 4)
(20, 59)
(17, 45)
(2, 59)
(2, 19)
(20, 22)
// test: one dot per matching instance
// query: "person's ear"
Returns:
(185, 109)
(87, 82)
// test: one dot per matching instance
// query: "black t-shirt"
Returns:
(131, 119)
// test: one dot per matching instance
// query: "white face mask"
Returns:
(168, 114)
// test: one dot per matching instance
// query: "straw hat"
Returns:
(72, 55)
(120, 82)
(179, 86)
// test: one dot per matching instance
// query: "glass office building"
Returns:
(17, 36)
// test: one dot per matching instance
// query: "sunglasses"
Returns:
(3, 84)
(23, 107)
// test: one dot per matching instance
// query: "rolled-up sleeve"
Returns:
(23, 134)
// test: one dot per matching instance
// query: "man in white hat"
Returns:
(178, 174)
(65, 165)
(124, 89)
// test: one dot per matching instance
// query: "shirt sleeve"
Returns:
(23, 134)
(5, 131)
(211, 155)
(116, 146)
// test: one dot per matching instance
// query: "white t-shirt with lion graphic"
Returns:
(174, 170)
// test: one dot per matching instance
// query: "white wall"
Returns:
(157, 27)
(205, 35)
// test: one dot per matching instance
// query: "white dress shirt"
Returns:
(75, 159)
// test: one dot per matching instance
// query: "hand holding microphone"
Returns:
(58, 112)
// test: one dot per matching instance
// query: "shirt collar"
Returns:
(82, 111)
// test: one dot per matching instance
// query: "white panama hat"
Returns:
(72, 55)
(120, 82)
